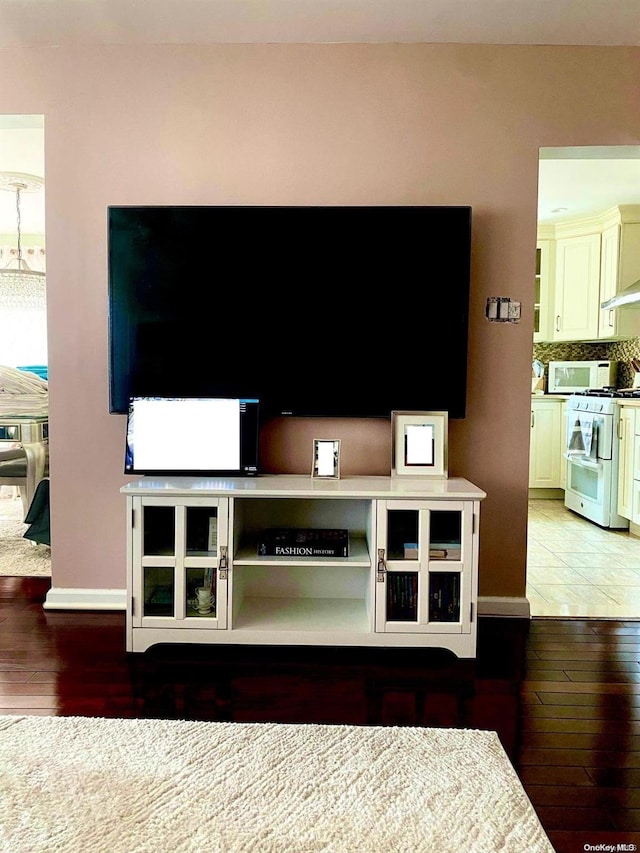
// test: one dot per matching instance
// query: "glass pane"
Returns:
(9, 433)
(402, 596)
(585, 481)
(159, 526)
(445, 537)
(201, 593)
(444, 597)
(402, 534)
(159, 591)
(202, 530)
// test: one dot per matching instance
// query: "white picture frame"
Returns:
(326, 458)
(420, 443)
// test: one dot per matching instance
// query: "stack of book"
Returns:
(444, 597)
(445, 551)
(402, 596)
(303, 542)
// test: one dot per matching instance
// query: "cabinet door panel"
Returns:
(577, 288)
(424, 578)
(547, 443)
(177, 547)
(626, 438)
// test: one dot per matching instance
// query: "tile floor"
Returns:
(575, 568)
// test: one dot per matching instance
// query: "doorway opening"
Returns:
(23, 342)
(586, 196)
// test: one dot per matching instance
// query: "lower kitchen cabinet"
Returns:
(626, 450)
(629, 463)
(546, 448)
(409, 577)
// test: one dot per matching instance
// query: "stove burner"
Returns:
(607, 391)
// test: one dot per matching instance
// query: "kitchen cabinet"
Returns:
(563, 443)
(543, 313)
(547, 444)
(619, 267)
(629, 464)
(635, 501)
(626, 449)
(579, 265)
(409, 579)
(577, 288)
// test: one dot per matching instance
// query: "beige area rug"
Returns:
(83, 785)
(19, 557)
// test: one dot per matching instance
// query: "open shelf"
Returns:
(302, 614)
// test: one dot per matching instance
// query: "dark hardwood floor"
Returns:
(563, 695)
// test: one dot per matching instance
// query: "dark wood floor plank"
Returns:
(579, 757)
(579, 676)
(612, 799)
(597, 654)
(627, 819)
(588, 666)
(561, 817)
(600, 691)
(580, 740)
(599, 696)
(589, 645)
(620, 729)
(614, 777)
(542, 775)
(577, 841)
(534, 709)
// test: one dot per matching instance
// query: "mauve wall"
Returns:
(312, 124)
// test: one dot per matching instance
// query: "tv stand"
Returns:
(409, 580)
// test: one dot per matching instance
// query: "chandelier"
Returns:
(20, 286)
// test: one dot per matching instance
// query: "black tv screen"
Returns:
(315, 311)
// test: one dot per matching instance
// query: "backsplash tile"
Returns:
(621, 351)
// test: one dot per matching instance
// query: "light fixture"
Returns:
(20, 286)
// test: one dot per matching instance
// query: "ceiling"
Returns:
(584, 181)
(66, 22)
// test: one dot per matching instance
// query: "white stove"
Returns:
(591, 450)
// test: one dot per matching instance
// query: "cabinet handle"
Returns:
(557, 322)
(611, 318)
(223, 566)
(533, 419)
(382, 566)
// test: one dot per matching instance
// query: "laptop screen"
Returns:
(194, 436)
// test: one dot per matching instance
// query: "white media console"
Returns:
(410, 577)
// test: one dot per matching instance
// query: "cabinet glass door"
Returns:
(423, 578)
(179, 562)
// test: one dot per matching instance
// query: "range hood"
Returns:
(629, 296)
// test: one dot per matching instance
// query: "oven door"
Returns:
(588, 453)
(588, 489)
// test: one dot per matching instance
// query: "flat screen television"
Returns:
(316, 311)
(197, 436)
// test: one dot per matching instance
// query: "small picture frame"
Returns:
(420, 443)
(326, 458)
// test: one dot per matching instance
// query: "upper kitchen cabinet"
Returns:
(620, 267)
(577, 288)
(589, 260)
(543, 298)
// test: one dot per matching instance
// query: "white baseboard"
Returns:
(495, 605)
(85, 599)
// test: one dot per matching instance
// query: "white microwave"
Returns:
(567, 377)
